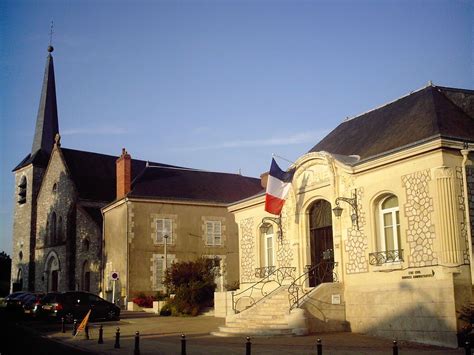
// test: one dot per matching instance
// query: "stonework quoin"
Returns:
(124, 174)
(247, 249)
(463, 225)
(357, 242)
(418, 211)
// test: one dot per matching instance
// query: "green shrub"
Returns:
(193, 284)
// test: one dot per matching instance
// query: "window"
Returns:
(164, 227)
(85, 244)
(53, 229)
(389, 219)
(159, 268)
(55, 187)
(22, 190)
(213, 233)
(267, 239)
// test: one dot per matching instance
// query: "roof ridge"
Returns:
(389, 103)
(199, 170)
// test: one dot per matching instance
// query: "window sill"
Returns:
(394, 265)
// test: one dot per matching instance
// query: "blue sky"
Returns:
(217, 85)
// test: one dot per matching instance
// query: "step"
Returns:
(254, 331)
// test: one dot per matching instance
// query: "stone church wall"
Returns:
(24, 223)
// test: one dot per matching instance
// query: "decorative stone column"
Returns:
(448, 220)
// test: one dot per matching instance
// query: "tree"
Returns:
(193, 284)
(5, 273)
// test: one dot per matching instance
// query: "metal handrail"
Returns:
(277, 276)
(296, 290)
(387, 256)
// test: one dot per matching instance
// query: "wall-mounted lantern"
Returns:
(351, 201)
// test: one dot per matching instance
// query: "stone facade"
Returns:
(418, 209)
(65, 241)
(24, 228)
(413, 296)
(131, 247)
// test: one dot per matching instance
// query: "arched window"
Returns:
(59, 232)
(389, 224)
(53, 229)
(85, 244)
(22, 186)
(267, 249)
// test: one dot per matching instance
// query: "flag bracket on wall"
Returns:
(277, 221)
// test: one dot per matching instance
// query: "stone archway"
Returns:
(321, 242)
(52, 272)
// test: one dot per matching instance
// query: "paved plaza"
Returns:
(162, 335)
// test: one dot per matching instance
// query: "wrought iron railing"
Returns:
(256, 292)
(262, 272)
(383, 257)
(316, 274)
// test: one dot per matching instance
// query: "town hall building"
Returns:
(376, 233)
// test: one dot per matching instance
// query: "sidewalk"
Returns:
(162, 335)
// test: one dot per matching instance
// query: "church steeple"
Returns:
(47, 120)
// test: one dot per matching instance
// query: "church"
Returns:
(81, 216)
(375, 235)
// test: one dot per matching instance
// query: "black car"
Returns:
(75, 305)
(22, 302)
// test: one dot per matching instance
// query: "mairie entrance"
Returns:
(321, 242)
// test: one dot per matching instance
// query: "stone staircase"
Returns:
(269, 317)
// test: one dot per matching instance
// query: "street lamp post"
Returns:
(166, 259)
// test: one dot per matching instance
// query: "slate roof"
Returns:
(196, 185)
(430, 113)
(94, 174)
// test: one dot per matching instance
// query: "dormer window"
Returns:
(22, 190)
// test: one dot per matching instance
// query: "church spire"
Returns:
(47, 120)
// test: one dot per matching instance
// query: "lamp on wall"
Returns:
(351, 201)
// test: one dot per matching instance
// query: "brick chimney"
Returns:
(124, 174)
(264, 179)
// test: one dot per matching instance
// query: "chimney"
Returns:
(264, 179)
(124, 174)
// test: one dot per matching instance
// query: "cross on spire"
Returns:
(51, 33)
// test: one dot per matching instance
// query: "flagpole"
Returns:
(277, 156)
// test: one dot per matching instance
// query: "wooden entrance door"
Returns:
(321, 243)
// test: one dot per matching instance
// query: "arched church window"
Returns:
(60, 231)
(20, 255)
(22, 186)
(53, 229)
(85, 244)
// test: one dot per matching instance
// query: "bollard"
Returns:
(86, 331)
(117, 339)
(467, 348)
(248, 347)
(183, 344)
(63, 326)
(136, 351)
(395, 348)
(101, 335)
(74, 327)
(319, 347)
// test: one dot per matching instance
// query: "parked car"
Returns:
(75, 305)
(31, 303)
(23, 302)
(14, 295)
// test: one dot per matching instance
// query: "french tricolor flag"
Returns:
(278, 186)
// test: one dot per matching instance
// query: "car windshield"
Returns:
(50, 298)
